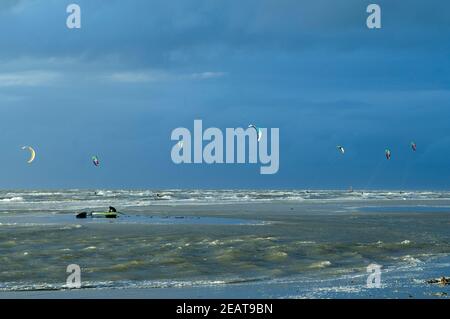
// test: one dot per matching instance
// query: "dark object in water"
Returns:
(441, 281)
(112, 209)
(97, 215)
(82, 215)
(160, 197)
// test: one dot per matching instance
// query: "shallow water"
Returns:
(316, 241)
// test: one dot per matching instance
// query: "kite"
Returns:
(95, 160)
(388, 153)
(32, 153)
(258, 131)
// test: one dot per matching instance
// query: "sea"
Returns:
(222, 243)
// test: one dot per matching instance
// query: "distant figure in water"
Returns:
(159, 196)
(442, 281)
(112, 209)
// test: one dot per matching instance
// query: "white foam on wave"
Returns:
(12, 199)
(321, 264)
(411, 260)
(306, 242)
(44, 193)
(80, 199)
(103, 193)
(123, 284)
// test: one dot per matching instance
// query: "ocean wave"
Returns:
(321, 264)
(73, 199)
(122, 284)
(411, 260)
(12, 199)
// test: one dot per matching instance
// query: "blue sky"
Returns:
(138, 69)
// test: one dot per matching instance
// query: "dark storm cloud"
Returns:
(138, 69)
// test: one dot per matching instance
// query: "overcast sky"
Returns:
(138, 69)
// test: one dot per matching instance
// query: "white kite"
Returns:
(258, 131)
(32, 153)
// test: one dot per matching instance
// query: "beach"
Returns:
(224, 243)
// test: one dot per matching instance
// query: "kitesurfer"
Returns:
(388, 154)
